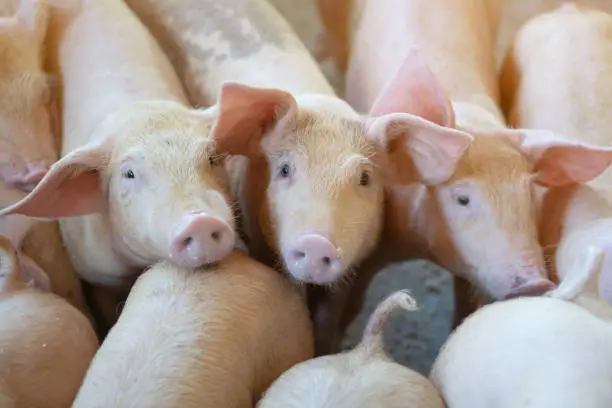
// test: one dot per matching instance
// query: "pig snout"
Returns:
(27, 178)
(201, 239)
(313, 259)
(530, 287)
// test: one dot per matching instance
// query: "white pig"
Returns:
(362, 378)
(571, 96)
(46, 344)
(544, 352)
(207, 338)
(404, 60)
(140, 179)
(26, 91)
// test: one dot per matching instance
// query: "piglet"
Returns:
(140, 179)
(570, 97)
(404, 60)
(46, 344)
(213, 337)
(362, 378)
(26, 96)
(544, 352)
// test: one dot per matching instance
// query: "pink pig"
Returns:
(480, 224)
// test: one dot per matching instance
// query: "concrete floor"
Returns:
(414, 338)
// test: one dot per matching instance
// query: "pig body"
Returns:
(46, 344)
(200, 338)
(569, 98)
(544, 351)
(403, 60)
(363, 377)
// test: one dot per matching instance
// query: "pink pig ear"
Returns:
(434, 150)
(69, 189)
(560, 161)
(246, 113)
(34, 16)
(415, 89)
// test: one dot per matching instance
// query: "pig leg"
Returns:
(465, 302)
(334, 41)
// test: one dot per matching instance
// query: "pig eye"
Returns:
(128, 174)
(211, 161)
(463, 200)
(364, 180)
(285, 170)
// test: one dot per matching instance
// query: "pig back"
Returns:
(558, 74)
(247, 323)
(47, 345)
(248, 41)
(107, 60)
(456, 37)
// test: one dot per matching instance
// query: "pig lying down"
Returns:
(362, 378)
(210, 338)
(544, 352)
(574, 98)
(27, 142)
(45, 343)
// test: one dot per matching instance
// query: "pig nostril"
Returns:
(326, 260)
(216, 236)
(187, 241)
(299, 254)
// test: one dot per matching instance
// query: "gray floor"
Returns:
(413, 338)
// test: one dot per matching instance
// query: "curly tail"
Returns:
(372, 340)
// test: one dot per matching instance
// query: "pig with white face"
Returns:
(571, 97)
(46, 344)
(227, 332)
(26, 93)
(138, 164)
(399, 64)
(543, 352)
(361, 378)
(310, 182)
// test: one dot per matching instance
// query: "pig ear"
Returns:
(415, 89)
(560, 161)
(33, 275)
(245, 114)
(70, 188)
(434, 150)
(34, 16)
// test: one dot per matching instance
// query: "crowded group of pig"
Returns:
(191, 214)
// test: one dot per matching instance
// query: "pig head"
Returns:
(481, 223)
(316, 172)
(26, 96)
(153, 174)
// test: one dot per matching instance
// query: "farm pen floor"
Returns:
(414, 338)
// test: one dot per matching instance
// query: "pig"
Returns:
(571, 98)
(46, 344)
(548, 351)
(140, 179)
(29, 118)
(27, 142)
(400, 64)
(310, 181)
(227, 331)
(363, 377)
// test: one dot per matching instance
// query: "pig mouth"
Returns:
(530, 290)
